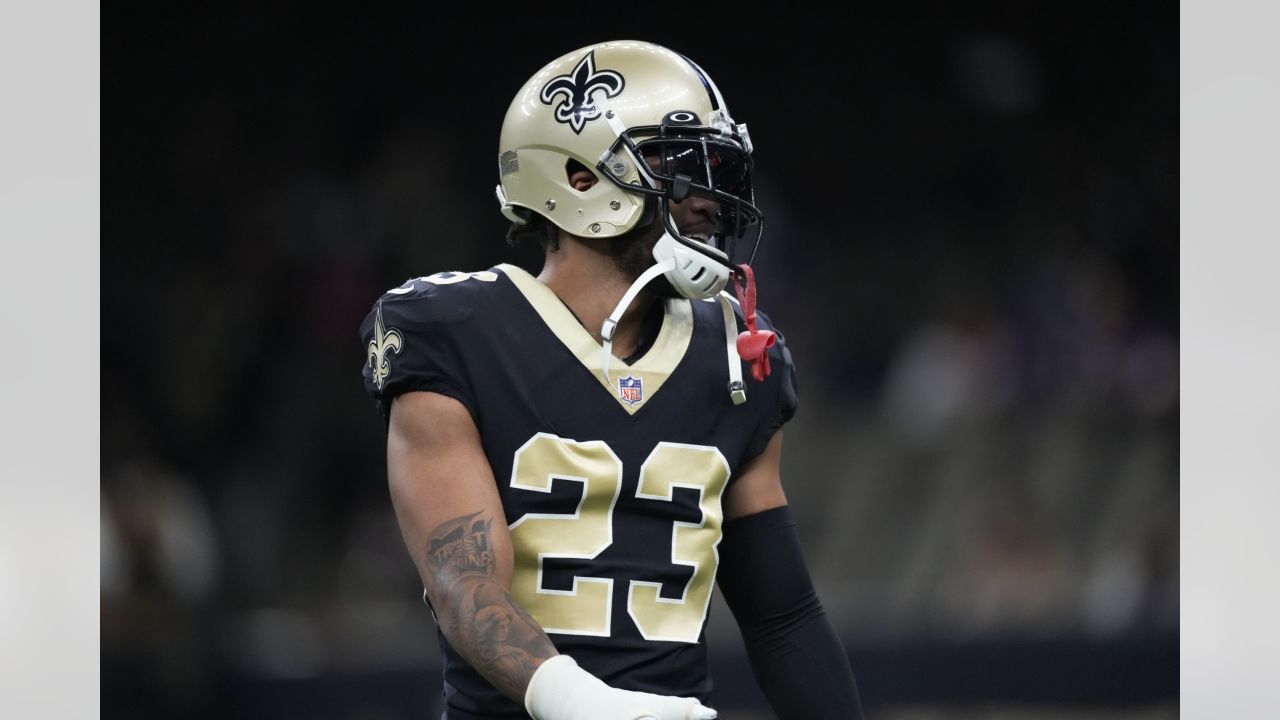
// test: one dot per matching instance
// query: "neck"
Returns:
(589, 282)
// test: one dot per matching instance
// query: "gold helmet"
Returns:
(653, 126)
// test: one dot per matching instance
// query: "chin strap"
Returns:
(737, 389)
(611, 323)
(753, 345)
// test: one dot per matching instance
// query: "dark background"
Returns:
(972, 250)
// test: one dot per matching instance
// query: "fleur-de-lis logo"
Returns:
(385, 343)
(576, 89)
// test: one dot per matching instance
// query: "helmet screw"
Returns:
(618, 168)
(551, 204)
(595, 227)
(614, 204)
(608, 114)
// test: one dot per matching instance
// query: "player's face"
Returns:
(632, 251)
(694, 217)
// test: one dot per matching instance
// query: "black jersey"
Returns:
(612, 489)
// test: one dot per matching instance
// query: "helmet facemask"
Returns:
(680, 159)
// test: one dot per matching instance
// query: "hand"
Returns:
(560, 690)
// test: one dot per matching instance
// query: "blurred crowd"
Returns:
(977, 277)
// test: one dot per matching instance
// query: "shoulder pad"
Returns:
(442, 297)
(412, 336)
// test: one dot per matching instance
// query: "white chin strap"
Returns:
(737, 389)
(611, 322)
(695, 276)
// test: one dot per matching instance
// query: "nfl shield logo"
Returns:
(630, 390)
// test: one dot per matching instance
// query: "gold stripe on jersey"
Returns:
(653, 368)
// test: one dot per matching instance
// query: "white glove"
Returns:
(560, 690)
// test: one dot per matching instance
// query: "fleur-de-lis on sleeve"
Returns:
(576, 89)
(385, 343)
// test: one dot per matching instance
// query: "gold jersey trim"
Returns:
(652, 369)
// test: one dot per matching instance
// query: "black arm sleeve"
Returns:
(795, 654)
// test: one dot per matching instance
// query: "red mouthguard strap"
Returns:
(754, 344)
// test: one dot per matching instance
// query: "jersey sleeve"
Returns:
(413, 340)
(780, 392)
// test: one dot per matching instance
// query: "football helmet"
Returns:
(653, 127)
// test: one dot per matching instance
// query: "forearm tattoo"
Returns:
(475, 611)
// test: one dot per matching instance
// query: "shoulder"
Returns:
(764, 322)
(442, 298)
(709, 312)
(415, 335)
(778, 395)
(784, 368)
(781, 378)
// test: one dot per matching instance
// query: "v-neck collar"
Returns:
(631, 385)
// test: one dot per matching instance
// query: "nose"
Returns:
(706, 207)
(696, 215)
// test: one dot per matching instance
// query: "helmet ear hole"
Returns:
(580, 177)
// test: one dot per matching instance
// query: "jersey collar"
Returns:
(632, 385)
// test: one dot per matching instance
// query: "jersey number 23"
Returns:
(587, 609)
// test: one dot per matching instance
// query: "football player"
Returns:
(577, 458)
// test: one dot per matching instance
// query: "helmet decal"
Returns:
(681, 117)
(577, 107)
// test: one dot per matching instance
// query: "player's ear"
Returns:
(580, 176)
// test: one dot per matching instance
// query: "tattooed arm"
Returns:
(452, 521)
